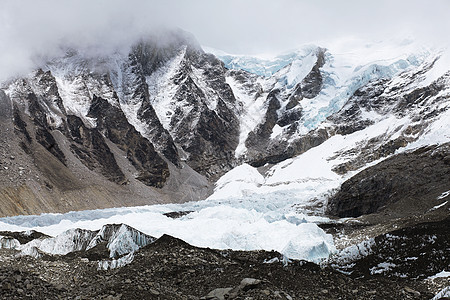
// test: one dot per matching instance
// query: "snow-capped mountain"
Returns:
(167, 119)
(318, 154)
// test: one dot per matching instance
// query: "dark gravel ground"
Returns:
(172, 269)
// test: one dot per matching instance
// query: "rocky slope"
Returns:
(407, 183)
(169, 268)
(164, 120)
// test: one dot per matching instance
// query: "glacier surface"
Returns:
(276, 209)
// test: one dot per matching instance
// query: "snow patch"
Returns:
(442, 274)
(443, 195)
(162, 89)
(237, 182)
(381, 268)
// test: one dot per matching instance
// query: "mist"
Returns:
(31, 30)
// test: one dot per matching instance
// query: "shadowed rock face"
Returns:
(5, 106)
(42, 129)
(312, 83)
(138, 91)
(91, 148)
(417, 178)
(203, 121)
(111, 121)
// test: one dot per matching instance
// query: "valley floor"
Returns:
(170, 268)
(173, 269)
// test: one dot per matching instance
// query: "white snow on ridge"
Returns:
(162, 90)
(264, 65)
(344, 73)
(296, 71)
(252, 109)
(348, 66)
(441, 274)
(75, 87)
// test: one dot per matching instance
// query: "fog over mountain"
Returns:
(224, 149)
(32, 29)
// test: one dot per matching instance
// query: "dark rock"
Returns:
(177, 214)
(112, 122)
(416, 251)
(249, 283)
(208, 133)
(138, 92)
(312, 83)
(46, 139)
(258, 140)
(295, 97)
(92, 150)
(417, 178)
(51, 91)
(160, 136)
(42, 130)
(282, 150)
(21, 127)
(5, 106)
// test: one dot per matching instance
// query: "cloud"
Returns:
(32, 29)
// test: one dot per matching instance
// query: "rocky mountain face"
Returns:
(416, 178)
(164, 120)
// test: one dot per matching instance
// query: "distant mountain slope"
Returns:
(165, 120)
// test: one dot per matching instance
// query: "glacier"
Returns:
(276, 209)
(120, 240)
(263, 65)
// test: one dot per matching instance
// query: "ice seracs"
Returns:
(120, 239)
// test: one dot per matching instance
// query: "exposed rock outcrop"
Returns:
(415, 178)
(112, 122)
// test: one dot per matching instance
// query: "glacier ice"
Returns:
(222, 224)
(263, 66)
(120, 239)
(115, 263)
(7, 242)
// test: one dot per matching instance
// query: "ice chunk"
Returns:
(116, 263)
(241, 180)
(7, 242)
(311, 243)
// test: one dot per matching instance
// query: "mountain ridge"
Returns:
(177, 114)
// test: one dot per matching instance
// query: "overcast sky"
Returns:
(32, 28)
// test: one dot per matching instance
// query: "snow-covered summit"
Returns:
(263, 65)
